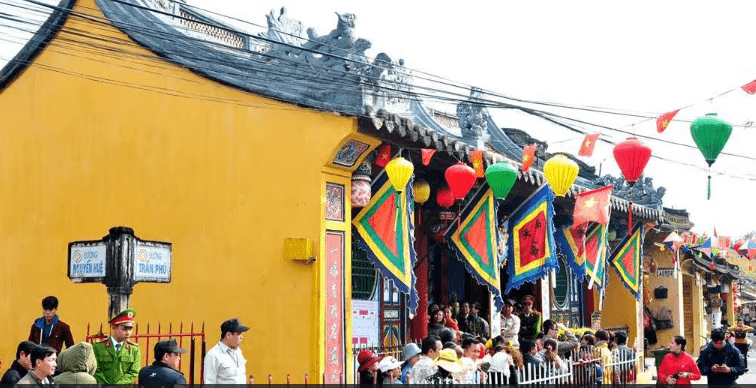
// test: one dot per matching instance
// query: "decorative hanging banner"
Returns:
(475, 241)
(586, 148)
(528, 157)
(531, 246)
(706, 247)
(626, 259)
(595, 255)
(571, 242)
(386, 231)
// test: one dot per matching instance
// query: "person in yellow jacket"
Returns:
(740, 332)
(118, 358)
(602, 352)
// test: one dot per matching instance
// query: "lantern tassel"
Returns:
(630, 219)
(708, 190)
(398, 209)
(459, 217)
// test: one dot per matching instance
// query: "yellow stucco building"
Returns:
(99, 131)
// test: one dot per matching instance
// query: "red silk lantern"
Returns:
(632, 156)
(461, 179)
(444, 197)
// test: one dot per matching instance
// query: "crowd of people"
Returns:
(41, 360)
(458, 350)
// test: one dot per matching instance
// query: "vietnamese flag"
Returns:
(750, 87)
(586, 149)
(528, 157)
(477, 161)
(427, 154)
(384, 155)
(663, 121)
(592, 206)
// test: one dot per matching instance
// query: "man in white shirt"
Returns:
(224, 363)
(510, 324)
(470, 373)
(424, 369)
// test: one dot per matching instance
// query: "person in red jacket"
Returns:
(678, 367)
(49, 329)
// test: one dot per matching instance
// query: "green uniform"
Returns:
(114, 367)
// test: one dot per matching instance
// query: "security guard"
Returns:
(118, 358)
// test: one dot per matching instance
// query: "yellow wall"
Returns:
(731, 307)
(673, 301)
(698, 323)
(224, 182)
(621, 309)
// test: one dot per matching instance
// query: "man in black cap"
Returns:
(165, 368)
(224, 363)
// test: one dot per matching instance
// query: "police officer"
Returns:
(118, 358)
(165, 368)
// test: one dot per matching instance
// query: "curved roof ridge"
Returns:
(36, 44)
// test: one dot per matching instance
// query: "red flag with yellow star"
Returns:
(593, 206)
(427, 154)
(384, 155)
(477, 161)
(663, 121)
(750, 87)
(528, 157)
(586, 149)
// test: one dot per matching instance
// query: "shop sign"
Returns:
(665, 272)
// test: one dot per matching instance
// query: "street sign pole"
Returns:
(119, 274)
(119, 260)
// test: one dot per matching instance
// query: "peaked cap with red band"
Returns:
(125, 316)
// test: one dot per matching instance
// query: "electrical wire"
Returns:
(374, 64)
(540, 113)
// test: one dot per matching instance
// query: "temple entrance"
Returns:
(566, 303)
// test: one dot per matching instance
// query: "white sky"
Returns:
(640, 56)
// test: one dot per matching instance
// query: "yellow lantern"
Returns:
(421, 189)
(399, 172)
(560, 172)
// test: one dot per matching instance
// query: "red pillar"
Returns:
(419, 324)
(588, 306)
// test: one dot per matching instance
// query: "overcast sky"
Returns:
(646, 57)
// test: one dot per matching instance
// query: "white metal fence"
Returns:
(581, 367)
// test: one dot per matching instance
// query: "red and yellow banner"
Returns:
(475, 241)
(532, 250)
(626, 259)
(385, 230)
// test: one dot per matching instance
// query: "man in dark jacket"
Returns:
(21, 364)
(165, 368)
(720, 361)
(49, 329)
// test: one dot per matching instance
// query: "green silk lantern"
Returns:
(501, 177)
(711, 135)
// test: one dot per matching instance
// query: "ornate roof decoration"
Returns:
(473, 118)
(288, 62)
(386, 83)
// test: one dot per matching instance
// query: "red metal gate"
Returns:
(146, 342)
